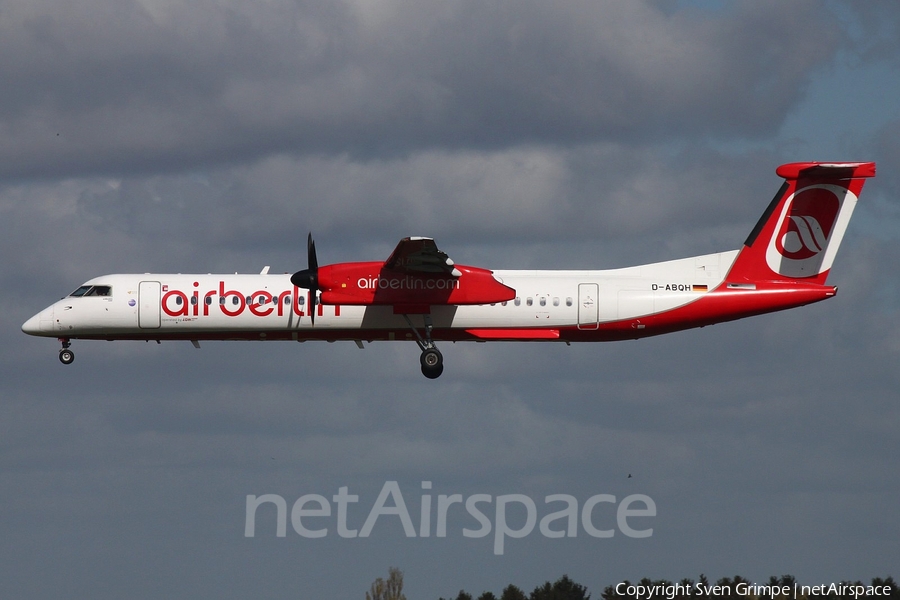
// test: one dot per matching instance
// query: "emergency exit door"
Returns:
(588, 306)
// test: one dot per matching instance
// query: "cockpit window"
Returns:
(80, 291)
(92, 290)
(100, 290)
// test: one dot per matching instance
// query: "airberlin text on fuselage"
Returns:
(231, 303)
(406, 283)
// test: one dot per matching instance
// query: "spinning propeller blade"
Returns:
(308, 278)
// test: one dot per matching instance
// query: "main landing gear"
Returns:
(432, 360)
(66, 356)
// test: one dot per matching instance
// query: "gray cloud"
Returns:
(125, 88)
(595, 195)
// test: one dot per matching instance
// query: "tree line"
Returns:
(562, 589)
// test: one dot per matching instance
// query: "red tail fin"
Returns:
(801, 230)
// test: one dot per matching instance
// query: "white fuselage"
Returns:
(263, 306)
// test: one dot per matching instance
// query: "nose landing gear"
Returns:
(432, 363)
(432, 360)
(66, 356)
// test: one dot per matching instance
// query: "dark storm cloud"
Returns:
(123, 87)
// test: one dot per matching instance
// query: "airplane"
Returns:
(419, 294)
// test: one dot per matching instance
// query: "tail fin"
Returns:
(801, 230)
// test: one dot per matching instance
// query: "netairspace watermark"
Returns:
(309, 510)
(746, 590)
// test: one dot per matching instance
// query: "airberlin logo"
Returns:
(804, 233)
(804, 238)
(407, 283)
(232, 303)
(811, 219)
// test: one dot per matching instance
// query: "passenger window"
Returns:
(235, 300)
(568, 301)
(287, 298)
(543, 301)
(517, 301)
(555, 301)
(221, 299)
(194, 300)
(503, 303)
(208, 300)
(302, 300)
(529, 301)
(178, 300)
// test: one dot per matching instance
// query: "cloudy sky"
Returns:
(212, 135)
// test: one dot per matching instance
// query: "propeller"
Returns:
(309, 278)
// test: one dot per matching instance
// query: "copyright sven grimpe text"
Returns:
(746, 589)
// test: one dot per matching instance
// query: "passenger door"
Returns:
(148, 305)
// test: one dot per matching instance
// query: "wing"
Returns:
(417, 255)
(415, 277)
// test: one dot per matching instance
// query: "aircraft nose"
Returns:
(33, 325)
(40, 323)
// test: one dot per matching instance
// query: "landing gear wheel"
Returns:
(431, 357)
(432, 363)
(66, 356)
(432, 372)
